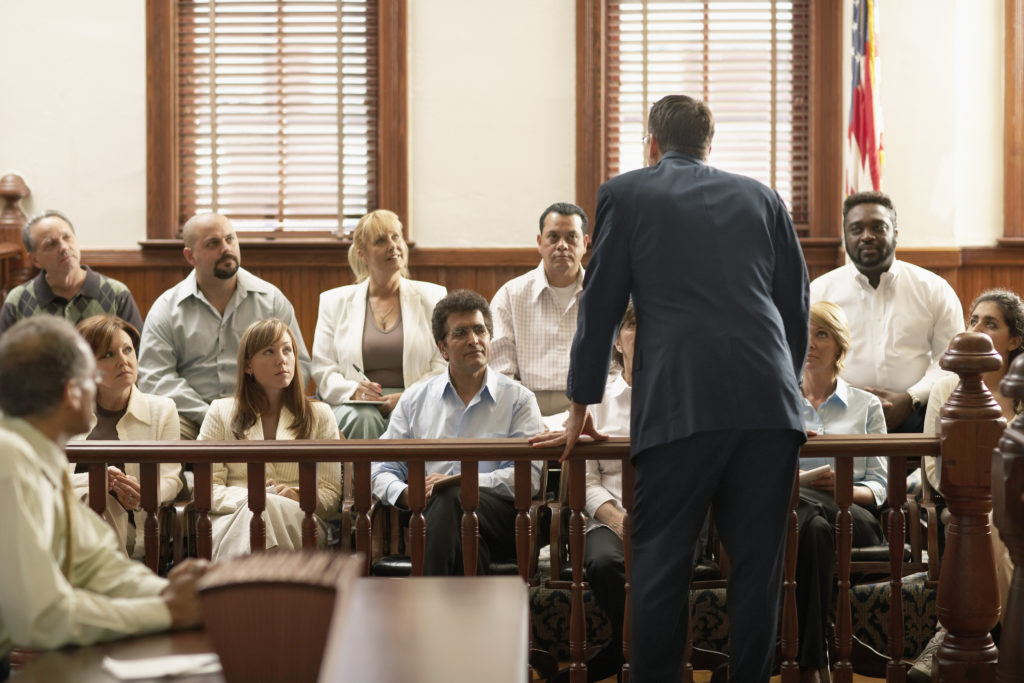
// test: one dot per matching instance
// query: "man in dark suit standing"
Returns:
(720, 289)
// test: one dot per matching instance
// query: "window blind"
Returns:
(748, 59)
(277, 112)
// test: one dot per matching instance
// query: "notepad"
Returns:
(810, 475)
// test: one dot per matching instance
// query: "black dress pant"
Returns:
(746, 477)
(443, 515)
(816, 565)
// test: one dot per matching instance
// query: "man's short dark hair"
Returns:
(459, 301)
(38, 356)
(566, 209)
(26, 230)
(880, 198)
(682, 124)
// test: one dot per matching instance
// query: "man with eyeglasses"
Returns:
(66, 580)
(470, 400)
(535, 314)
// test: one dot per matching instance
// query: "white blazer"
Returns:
(148, 418)
(338, 340)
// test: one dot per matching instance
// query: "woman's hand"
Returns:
(389, 404)
(282, 490)
(125, 487)
(367, 391)
(826, 482)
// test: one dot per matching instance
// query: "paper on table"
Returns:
(158, 667)
(810, 475)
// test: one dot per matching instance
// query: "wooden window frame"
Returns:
(163, 222)
(825, 181)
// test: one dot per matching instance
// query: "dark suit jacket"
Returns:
(721, 295)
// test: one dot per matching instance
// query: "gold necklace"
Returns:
(382, 320)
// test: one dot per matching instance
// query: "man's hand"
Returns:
(428, 489)
(180, 594)
(578, 423)
(389, 403)
(895, 404)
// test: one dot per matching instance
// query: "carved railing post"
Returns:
(1008, 513)
(12, 190)
(968, 600)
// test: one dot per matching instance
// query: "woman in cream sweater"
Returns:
(269, 404)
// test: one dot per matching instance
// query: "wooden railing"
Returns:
(967, 601)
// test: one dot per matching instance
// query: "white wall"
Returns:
(73, 113)
(491, 116)
(942, 100)
(493, 101)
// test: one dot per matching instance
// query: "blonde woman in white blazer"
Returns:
(373, 338)
(269, 400)
(127, 414)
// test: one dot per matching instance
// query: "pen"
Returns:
(359, 370)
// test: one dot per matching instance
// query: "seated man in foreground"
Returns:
(468, 401)
(65, 580)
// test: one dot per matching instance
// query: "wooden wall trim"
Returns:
(590, 122)
(393, 110)
(1013, 124)
(825, 195)
(161, 158)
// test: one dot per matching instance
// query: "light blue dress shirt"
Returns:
(850, 411)
(503, 408)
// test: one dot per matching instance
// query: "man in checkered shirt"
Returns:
(535, 313)
(65, 287)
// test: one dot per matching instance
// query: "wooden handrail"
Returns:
(897, 448)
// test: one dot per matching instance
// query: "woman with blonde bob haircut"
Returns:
(123, 413)
(269, 404)
(831, 406)
(373, 338)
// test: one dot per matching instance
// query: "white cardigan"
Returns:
(230, 480)
(338, 340)
(147, 418)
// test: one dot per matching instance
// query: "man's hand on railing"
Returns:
(578, 423)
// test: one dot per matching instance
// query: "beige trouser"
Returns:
(189, 429)
(1004, 565)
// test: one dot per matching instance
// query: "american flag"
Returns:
(864, 135)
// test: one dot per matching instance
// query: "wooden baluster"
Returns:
(202, 492)
(627, 556)
(896, 494)
(470, 523)
(150, 502)
(844, 546)
(307, 501)
(1008, 512)
(257, 479)
(98, 487)
(362, 508)
(523, 496)
(968, 600)
(577, 624)
(417, 524)
(12, 190)
(790, 631)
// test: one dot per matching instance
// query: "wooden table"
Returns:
(407, 630)
(85, 664)
(430, 630)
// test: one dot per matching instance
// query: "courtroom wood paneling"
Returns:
(303, 272)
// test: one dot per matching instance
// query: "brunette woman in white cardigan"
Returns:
(124, 413)
(373, 338)
(269, 404)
